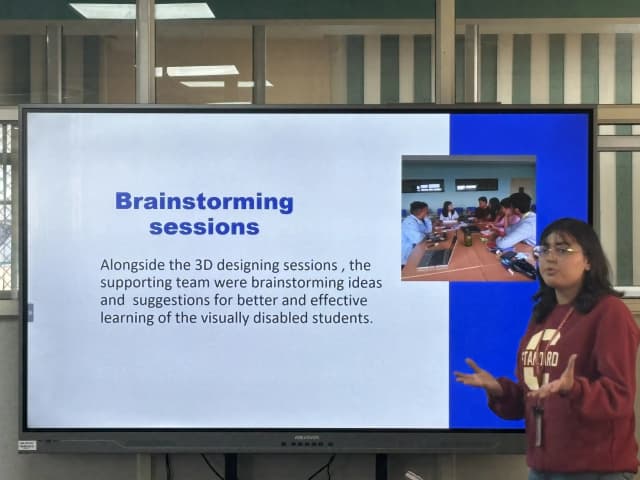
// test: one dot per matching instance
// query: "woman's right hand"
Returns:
(479, 378)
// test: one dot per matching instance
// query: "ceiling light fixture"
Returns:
(202, 70)
(196, 84)
(127, 11)
(249, 84)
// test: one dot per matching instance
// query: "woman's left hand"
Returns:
(562, 385)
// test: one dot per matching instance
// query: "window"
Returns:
(476, 184)
(423, 186)
(8, 154)
(199, 64)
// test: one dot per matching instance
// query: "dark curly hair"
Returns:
(494, 206)
(596, 282)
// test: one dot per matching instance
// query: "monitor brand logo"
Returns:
(306, 438)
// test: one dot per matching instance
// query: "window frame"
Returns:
(9, 298)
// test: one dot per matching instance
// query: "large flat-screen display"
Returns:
(232, 279)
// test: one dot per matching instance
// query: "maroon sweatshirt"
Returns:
(592, 428)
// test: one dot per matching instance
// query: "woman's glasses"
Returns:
(545, 251)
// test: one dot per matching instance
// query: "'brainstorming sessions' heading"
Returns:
(210, 226)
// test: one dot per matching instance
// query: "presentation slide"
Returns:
(242, 269)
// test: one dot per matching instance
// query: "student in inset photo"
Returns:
(525, 230)
(482, 210)
(494, 208)
(448, 212)
(506, 217)
(415, 228)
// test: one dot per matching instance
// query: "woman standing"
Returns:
(576, 366)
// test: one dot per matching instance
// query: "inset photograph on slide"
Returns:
(468, 218)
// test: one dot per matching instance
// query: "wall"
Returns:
(450, 173)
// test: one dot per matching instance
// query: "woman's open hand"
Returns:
(561, 385)
(479, 378)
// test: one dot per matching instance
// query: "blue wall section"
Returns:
(488, 319)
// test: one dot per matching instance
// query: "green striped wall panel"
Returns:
(556, 68)
(589, 68)
(422, 75)
(521, 76)
(624, 169)
(459, 68)
(488, 68)
(355, 69)
(389, 69)
(91, 68)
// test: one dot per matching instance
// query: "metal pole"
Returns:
(471, 63)
(259, 64)
(53, 48)
(382, 466)
(143, 466)
(145, 51)
(231, 466)
(445, 51)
